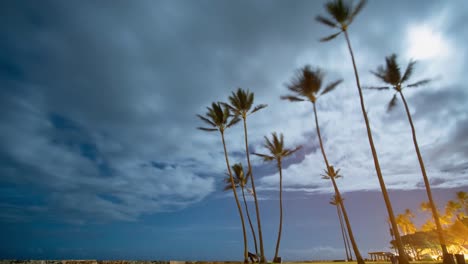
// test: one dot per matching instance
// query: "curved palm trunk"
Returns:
(275, 259)
(250, 221)
(320, 137)
(246, 260)
(435, 214)
(342, 230)
(348, 244)
(401, 256)
(359, 258)
(257, 210)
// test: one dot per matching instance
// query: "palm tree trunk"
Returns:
(337, 192)
(435, 214)
(275, 259)
(401, 256)
(359, 258)
(320, 137)
(246, 260)
(342, 229)
(348, 244)
(257, 210)
(250, 221)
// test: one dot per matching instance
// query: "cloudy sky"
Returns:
(99, 152)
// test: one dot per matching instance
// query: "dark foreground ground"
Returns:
(179, 262)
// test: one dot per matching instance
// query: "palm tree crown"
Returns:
(276, 148)
(390, 74)
(342, 15)
(331, 173)
(241, 102)
(240, 179)
(307, 84)
(218, 117)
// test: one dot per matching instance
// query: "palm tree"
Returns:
(405, 222)
(391, 75)
(462, 199)
(240, 179)
(342, 15)
(277, 152)
(331, 174)
(241, 103)
(306, 86)
(336, 202)
(219, 119)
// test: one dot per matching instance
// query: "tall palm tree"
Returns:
(391, 75)
(277, 152)
(336, 202)
(219, 119)
(241, 180)
(240, 104)
(307, 86)
(331, 174)
(342, 15)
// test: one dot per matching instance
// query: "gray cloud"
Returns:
(132, 76)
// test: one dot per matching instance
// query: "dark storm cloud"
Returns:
(99, 98)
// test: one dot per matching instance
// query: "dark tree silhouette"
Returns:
(240, 104)
(307, 86)
(342, 15)
(219, 119)
(391, 75)
(241, 180)
(336, 202)
(277, 152)
(332, 175)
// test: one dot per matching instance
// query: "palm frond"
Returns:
(379, 88)
(331, 86)
(265, 157)
(326, 21)
(356, 10)
(206, 120)
(289, 152)
(392, 72)
(292, 98)
(268, 144)
(380, 73)
(233, 121)
(338, 10)
(419, 83)
(231, 108)
(328, 38)
(258, 107)
(238, 172)
(227, 180)
(408, 71)
(217, 110)
(207, 129)
(392, 103)
(250, 99)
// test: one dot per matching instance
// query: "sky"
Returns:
(100, 157)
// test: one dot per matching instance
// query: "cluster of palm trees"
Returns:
(221, 116)
(307, 85)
